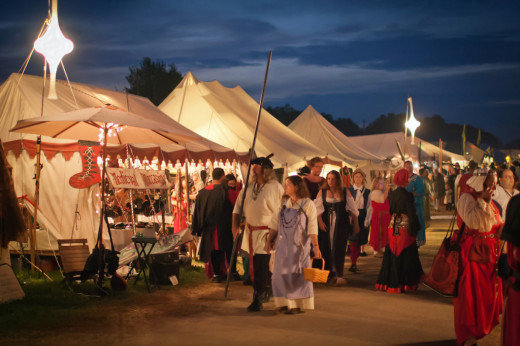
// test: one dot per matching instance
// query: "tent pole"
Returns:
(187, 197)
(131, 166)
(36, 200)
(102, 211)
(37, 177)
(246, 184)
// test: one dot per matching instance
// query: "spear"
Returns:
(241, 212)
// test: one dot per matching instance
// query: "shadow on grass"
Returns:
(48, 303)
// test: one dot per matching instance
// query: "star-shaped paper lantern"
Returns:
(53, 45)
(412, 124)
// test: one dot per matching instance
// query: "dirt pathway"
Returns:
(353, 315)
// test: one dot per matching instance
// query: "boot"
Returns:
(256, 304)
(266, 294)
(90, 174)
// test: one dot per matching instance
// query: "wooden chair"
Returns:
(74, 254)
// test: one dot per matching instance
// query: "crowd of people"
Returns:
(310, 219)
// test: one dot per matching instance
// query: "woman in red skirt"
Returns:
(380, 215)
(401, 270)
(479, 302)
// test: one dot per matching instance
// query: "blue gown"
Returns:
(292, 255)
(417, 186)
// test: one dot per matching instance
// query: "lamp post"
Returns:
(53, 45)
(412, 124)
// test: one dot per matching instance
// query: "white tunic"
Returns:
(502, 197)
(360, 203)
(259, 212)
(476, 213)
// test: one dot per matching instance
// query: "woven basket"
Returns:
(314, 274)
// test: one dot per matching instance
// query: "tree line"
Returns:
(156, 80)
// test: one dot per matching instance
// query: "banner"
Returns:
(123, 178)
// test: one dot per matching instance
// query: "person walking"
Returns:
(380, 215)
(209, 223)
(361, 197)
(291, 232)
(416, 188)
(478, 305)
(262, 201)
(335, 208)
(314, 180)
(401, 269)
(439, 189)
(428, 194)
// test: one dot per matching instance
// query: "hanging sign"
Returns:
(123, 178)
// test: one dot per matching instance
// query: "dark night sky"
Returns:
(357, 59)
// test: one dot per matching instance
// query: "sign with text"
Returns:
(123, 178)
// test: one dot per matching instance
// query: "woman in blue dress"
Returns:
(292, 231)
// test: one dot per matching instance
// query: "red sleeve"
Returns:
(232, 195)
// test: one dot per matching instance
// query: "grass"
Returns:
(47, 303)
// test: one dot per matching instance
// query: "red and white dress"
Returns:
(479, 302)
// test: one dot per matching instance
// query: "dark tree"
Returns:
(347, 126)
(386, 123)
(154, 80)
(285, 114)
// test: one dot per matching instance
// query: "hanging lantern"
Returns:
(53, 45)
(412, 124)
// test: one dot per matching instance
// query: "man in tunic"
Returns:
(209, 222)
(416, 187)
(263, 198)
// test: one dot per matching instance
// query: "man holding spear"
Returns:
(262, 200)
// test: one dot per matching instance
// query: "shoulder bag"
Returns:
(444, 273)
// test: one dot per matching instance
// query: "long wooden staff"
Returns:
(241, 212)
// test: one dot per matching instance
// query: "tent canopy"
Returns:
(228, 116)
(385, 144)
(21, 98)
(312, 126)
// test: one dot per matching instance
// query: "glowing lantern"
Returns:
(53, 45)
(412, 124)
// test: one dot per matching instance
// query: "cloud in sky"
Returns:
(350, 58)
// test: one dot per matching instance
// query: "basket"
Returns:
(314, 274)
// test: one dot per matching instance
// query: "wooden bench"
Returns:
(74, 254)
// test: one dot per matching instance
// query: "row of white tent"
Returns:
(224, 119)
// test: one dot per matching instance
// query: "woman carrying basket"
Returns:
(293, 230)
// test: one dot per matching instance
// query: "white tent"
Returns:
(385, 144)
(312, 126)
(228, 116)
(21, 98)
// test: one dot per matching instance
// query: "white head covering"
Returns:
(476, 182)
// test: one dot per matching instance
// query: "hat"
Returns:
(476, 182)
(401, 177)
(263, 161)
(358, 170)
